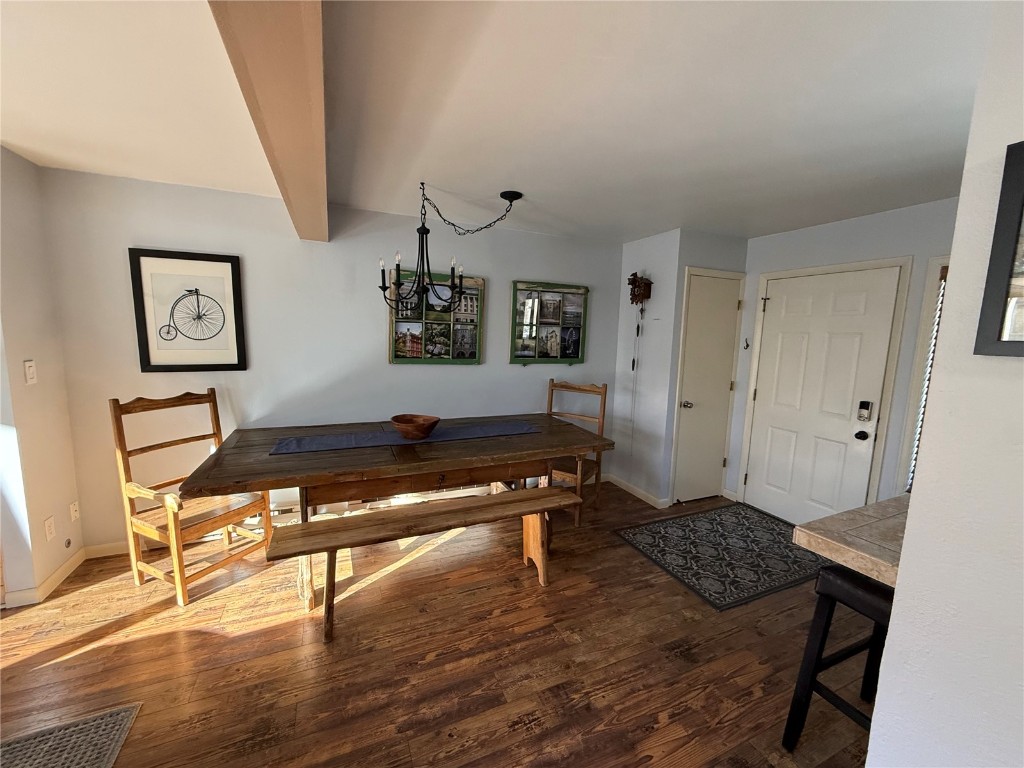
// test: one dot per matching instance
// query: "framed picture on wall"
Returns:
(549, 323)
(1001, 322)
(420, 333)
(188, 310)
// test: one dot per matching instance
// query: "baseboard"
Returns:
(106, 550)
(642, 495)
(22, 597)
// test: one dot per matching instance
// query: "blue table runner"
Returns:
(373, 439)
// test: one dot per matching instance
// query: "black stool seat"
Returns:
(855, 590)
(864, 595)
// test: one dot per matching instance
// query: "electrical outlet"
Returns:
(51, 528)
(74, 510)
(31, 377)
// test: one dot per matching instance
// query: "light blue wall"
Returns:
(316, 326)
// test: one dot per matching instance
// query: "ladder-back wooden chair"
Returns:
(568, 468)
(166, 518)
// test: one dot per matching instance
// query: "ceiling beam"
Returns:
(277, 51)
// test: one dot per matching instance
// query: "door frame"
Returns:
(680, 357)
(905, 264)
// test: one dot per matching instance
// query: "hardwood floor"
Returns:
(447, 652)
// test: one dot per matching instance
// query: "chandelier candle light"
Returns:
(422, 282)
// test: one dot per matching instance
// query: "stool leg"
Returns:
(813, 651)
(869, 686)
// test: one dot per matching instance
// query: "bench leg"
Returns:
(305, 578)
(535, 545)
(329, 578)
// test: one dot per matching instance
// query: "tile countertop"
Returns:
(867, 539)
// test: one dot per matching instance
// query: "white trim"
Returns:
(642, 495)
(35, 595)
(729, 495)
(688, 273)
(106, 550)
(905, 264)
(924, 327)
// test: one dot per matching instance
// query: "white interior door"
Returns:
(709, 352)
(824, 344)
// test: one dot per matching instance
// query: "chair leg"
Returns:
(135, 555)
(813, 651)
(225, 535)
(869, 685)
(178, 561)
(268, 529)
(597, 486)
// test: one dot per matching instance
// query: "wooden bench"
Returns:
(428, 517)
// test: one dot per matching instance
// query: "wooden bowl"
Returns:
(414, 426)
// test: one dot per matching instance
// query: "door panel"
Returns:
(709, 351)
(824, 345)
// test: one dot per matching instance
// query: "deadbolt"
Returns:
(686, 404)
(862, 435)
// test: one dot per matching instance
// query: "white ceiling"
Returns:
(137, 89)
(615, 119)
(628, 119)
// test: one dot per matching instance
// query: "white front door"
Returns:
(824, 345)
(709, 351)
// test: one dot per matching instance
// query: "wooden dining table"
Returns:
(244, 462)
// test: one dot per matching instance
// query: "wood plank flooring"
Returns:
(447, 653)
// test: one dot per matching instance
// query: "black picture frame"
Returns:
(1005, 266)
(212, 338)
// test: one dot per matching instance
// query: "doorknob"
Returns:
(686, 404)
(861, 435)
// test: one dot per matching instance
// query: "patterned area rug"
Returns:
(92, 742)
(728, 556)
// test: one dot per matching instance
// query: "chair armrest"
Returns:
(136, 491)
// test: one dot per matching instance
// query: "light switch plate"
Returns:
(30, 372)
(51, 528)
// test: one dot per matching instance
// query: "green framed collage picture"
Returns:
(549, 323)
(419, 333)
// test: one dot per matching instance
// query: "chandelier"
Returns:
(407, 294)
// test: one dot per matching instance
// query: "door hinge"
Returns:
(732, 385)
(724, 461)
(739, 304)
(764, 303)
(755, 394)
(744, 479)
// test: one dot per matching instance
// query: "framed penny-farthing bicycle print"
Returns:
(188, 310)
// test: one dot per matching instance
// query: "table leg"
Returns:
(305, 578)
(579, 489)
(535, 544)
(329, 578)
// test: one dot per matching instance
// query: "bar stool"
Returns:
(864, 595)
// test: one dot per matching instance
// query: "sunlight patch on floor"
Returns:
(418, 552)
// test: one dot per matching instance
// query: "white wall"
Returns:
(641, 397)
(37, 415)
(315, 321)
(644, 410)
(952, 680)
(922, 231)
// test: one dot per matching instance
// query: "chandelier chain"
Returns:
(459, 230)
